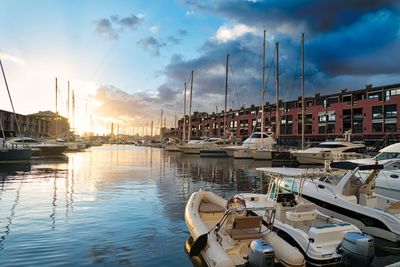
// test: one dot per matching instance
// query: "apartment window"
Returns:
(322, 129)
(391, 92)
(331, 117)
(330, 128)
(377, 127)
(358, 126)
(390, 127)
(346, 98)
(377, 112)
(321, 118)
(375, 95)
(391, 111)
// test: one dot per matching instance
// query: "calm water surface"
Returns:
(111, 206)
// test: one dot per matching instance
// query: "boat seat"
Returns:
(248, 227)
(305, 207)
(209, 207)
(301, 216)
(327, 234)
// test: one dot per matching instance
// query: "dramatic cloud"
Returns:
(348, 44)
(151, 45)
(111, 28)
(225, 33)
(116, 103)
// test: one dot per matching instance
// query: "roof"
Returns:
(395, 148)
(46, 114)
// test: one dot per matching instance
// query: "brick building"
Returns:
(371, 114)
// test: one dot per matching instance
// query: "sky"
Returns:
(126, 60)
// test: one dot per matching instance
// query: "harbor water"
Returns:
(113, 206)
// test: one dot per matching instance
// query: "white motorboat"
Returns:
(256, 140)
(387, 182)
(350, 196)
(323, 239)
(196, 146)
(39, 148)
(172, 146)
(226, 233)
(330, 150)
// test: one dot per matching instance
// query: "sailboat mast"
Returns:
(226, 93)
(263, 90)
(190, 107)
(56, 126)
(161, 125)
(302, 92)
(184, 116)
(68, 101)
(9, 96)
(277, 121)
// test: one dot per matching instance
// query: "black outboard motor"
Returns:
(358, 249)
(261, 254)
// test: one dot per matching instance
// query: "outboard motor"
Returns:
(261, 254)
(358, 249)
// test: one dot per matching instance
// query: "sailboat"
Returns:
(266, 139)
(265, 151)
(9, 152)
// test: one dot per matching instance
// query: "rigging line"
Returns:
(1, 126)
(233, 83)
(289, 92)
(270, 69)
(9, 96)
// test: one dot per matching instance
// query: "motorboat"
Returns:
(13, 153)
(338, 149)
(172, 146)
(227, 233)
(71, 146)
(39, 148)
(387, 182)
(350, 196)
(208, 143)
(257, 140)
(323, 239)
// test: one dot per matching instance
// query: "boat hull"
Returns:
(262, 154)
(15, 155)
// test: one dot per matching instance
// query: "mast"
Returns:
(184, 116)
(226, 94)
(56, 126)
(263, 92)
(302, 92)
(278, 123)
(73, 110)
(161, 123)
(68, 101)
(12, 104)
(190, 107)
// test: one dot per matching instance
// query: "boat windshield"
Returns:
(387, 155)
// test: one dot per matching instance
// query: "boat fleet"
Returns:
(337, 214)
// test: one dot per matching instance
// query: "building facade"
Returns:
(29, 126)
(58, 125)
(370, 114)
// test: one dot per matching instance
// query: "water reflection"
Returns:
(110, 205)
